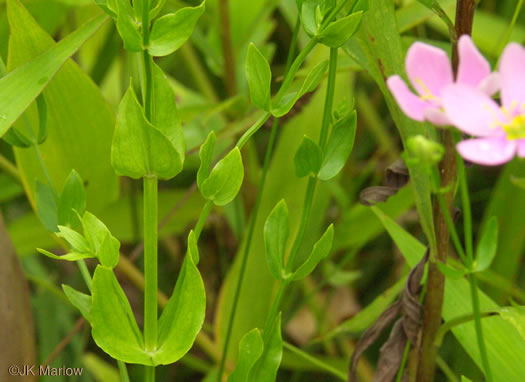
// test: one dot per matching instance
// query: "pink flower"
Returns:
(501, 129)
(429, 71)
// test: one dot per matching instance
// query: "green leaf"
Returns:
(284, 105)
(516, 316)
(308, 158)
(193, 249)
(72, 200)
(465, 379)
(250, 350)
(72, 256)
(139, 149)
(21, 86)
(225, 179)
(504, 346)
(46, 204)
(265, 370)
(127, 27)
(171, 31)
(164, 114)
(259, 77)
(319, 252)
(308, 16)
(114, 328)
(339, 32)
(275, 237)
(75, 240)
(108, 6)
(487, 246)
(103, 245)
(206, 156)
(450, 272)
(339, 147)
(183, 316)
(42, 118)
(79, 120)
(79, 300)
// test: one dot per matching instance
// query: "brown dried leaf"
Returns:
(396, 177)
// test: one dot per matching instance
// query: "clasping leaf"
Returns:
(308, 158)
(339, 32)
(275, 237)
(259, 77)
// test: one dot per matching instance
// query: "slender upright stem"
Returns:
(227, 48)
(309, 197)
(9, 168)
(436, 281)
(255, 213)
(150, 262)
(202, 218)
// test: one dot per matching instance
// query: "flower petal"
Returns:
(491, 84)
(473, 67)
(521, 148)
(471, 111)
(487, 151)
(512, 72)
(428, 69)
(411, 104)
(436, 116)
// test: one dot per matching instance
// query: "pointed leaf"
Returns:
(450, 272)
(339, 147)
(265, 370)
(259, 77)
(72, 256)
(171, 31)
(73, 198)
(103, 245)
(75, 240)
(250, 350)
(206, 156)
(113, 324)
(183, 316)
(79, 300)
(307, 158)
(275, 238)
(285, 104)
(319, 252)
(127, 28)
(21, 86)
(487, 246)
(225, 179)
(339, 32)
(193, 249)
(140, 149)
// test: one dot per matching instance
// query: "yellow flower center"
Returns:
(515, 129)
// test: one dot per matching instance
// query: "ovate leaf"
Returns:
(250, 349)
(139, 149)
(225, 179)
(127, 27)
(72, 200)
(308, 158)
(339, 147)
(265, 370)
(259, 77)
(487, 246)
(284, 104)
(103, 245)
(319, 252)
(206, 156)
(339, 32)
(114, 328)
(183, 316)
(171, 31)
(79, 300)
(275, 237)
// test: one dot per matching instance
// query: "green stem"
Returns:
(255, 213)
(467, 221)
(9, 168)
(314, 361)
(149, 374)
(252, 130)
(202, 218)
(309, 197)
(450, 324)
(123, 371)
(150, 262)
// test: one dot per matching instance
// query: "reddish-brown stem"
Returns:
(436, 281)
(227, 48)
